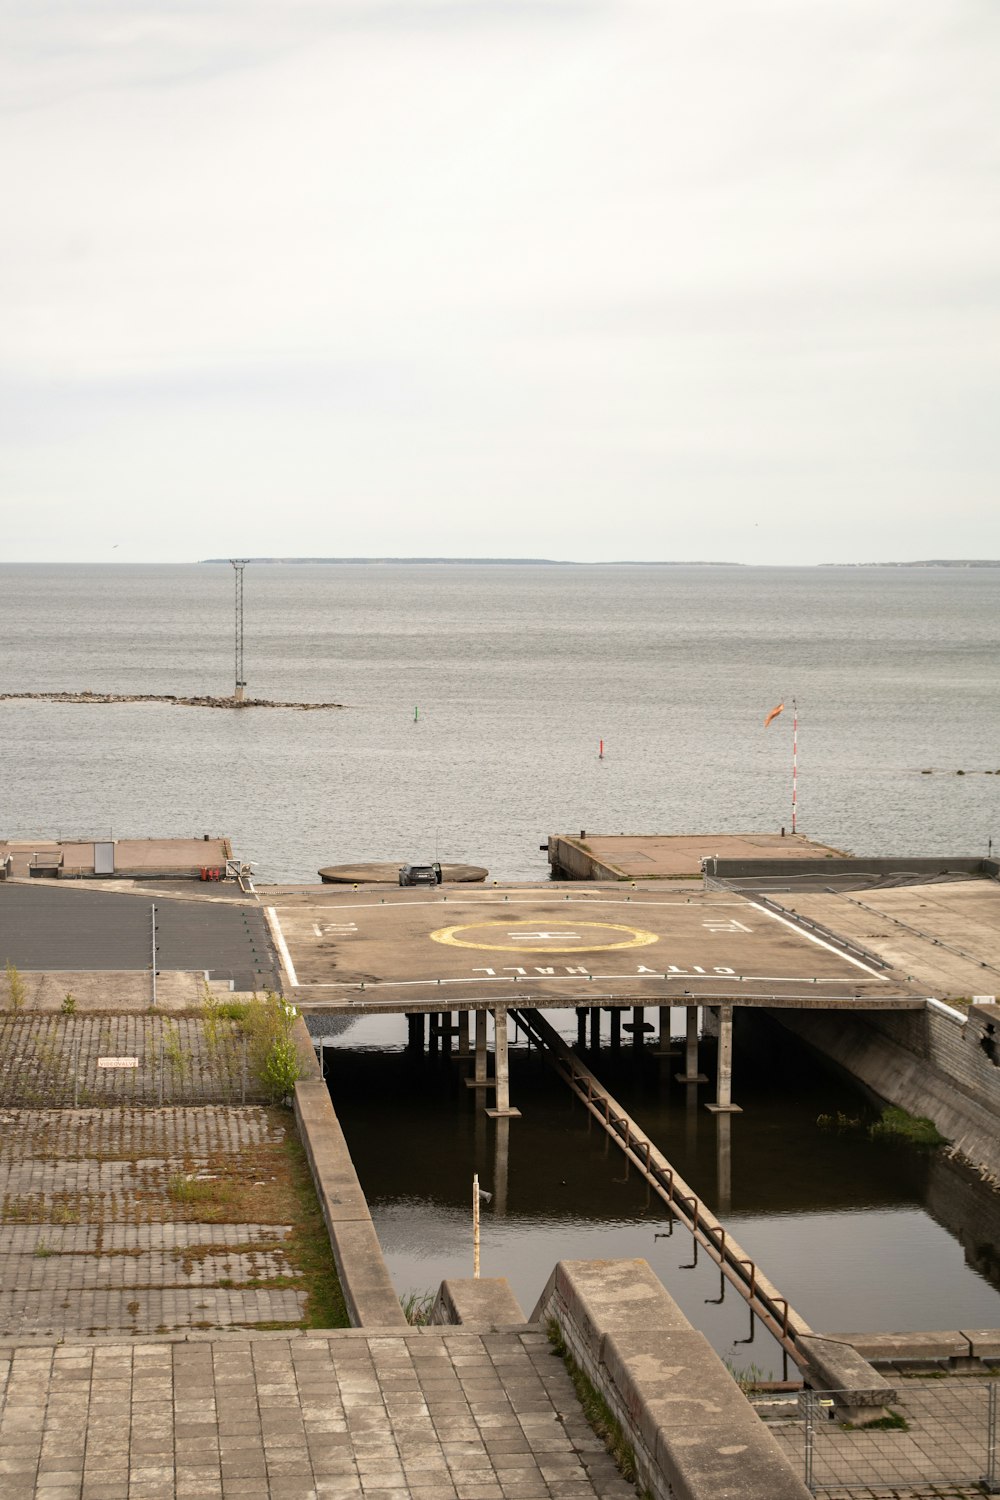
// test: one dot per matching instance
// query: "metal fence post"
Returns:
(76, 1073)
(809, 1413)
(989, 1479)
(161, 1070)
(243, 1073)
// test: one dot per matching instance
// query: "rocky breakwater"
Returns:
(171, 699)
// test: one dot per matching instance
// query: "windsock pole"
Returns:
(795, 759)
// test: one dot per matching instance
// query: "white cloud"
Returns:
(458, 277)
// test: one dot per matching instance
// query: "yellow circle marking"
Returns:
(548, 941)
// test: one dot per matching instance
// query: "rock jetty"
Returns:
(171, 699)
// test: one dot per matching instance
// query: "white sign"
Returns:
(117, 1062)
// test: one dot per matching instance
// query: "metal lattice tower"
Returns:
(239, 563)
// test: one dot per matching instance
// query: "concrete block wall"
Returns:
(927, 1062)
(694, 1434)
(364, 1277)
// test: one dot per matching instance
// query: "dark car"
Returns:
(420, 875)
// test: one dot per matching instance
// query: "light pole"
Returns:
(238, 564)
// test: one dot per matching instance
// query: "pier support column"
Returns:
(500, 1166)
(479, 1079)
(502, 1107)
(616, 1027)
(434, 1033)
(724, 1067)
(581, 1026)
(724, 1163)
(663, 1016)
(595, 1027)
(638, 1027)
(691, 1074)
(415, 1031)
(463, 1033)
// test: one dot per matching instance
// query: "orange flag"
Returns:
(773, 714)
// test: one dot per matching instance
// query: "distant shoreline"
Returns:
(625, 562)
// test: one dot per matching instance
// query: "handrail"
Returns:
(774, 1311)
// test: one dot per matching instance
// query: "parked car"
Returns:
(420, 874)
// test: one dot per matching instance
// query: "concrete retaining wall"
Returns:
(931, 1062)
(831, 866)
(694, 1434)
(364, 1277)
(480, 1302)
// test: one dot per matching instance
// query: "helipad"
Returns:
(452, 949)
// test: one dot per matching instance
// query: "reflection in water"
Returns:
(849, 1229)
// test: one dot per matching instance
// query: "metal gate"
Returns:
(943, 1434)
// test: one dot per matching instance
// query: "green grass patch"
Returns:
(896, 1124)
(308, 1247)
(596, 1410)
(894, 1421)
(417, 1307)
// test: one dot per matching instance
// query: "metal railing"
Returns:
(939, 1436)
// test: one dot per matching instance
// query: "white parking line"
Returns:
(281, 945)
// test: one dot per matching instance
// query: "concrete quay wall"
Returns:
(694, 1434)
(364, 1277)
(934, 1062)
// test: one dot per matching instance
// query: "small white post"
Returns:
(475, 1224)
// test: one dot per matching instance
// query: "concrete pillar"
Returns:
(581, 1026)
(463, 1033)
(638, 1026)
(724, 1065)
(479, 1080)
(595, 1027)
(500, 1166)
(501, 1068)
(691, 1074)
(663, 1016)
(434, 1033)
(415, 1031)
(724, 1164)
(616, 1027)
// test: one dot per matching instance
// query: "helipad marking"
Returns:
(569, 941)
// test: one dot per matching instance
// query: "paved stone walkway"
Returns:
(117, 1221)
(433, 1414)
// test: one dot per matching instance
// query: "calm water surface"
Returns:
(518, 672)
(859, 1234)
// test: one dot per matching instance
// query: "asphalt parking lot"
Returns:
(44, 927)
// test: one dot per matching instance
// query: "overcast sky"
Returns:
(569, 278)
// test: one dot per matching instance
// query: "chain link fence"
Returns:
(939, 1440)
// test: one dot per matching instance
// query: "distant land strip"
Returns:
(624, 562)
(492, 562)
(171, 699)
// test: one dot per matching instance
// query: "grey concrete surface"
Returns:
(369, 1294)
(45, 927)
(661, 856)
(947, 937)
(693, 1432)
(100, 1227)
(433, 1414)
(484, 1301)
(435, 950)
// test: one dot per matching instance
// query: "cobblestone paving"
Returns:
(54, 1060)
(434, 1414)
(99, 1229)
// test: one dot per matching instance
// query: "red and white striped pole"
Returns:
(795, 759)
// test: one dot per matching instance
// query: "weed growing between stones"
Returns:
(893, 1124)
(259, 1031)
(417, 1307)
(15, 989)
(596, 1410)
